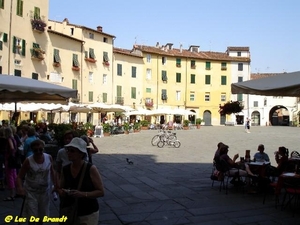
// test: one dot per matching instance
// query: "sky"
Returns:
(270, 28)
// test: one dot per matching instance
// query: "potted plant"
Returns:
(126, 127)
(136, 127)
(144, 124)
(186, 124)
(198, 123)
(106, 129)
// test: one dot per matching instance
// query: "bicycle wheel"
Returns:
(161, 144)
(177, 144)
(155, 140)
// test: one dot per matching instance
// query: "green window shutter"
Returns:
(148, 90)
(164, 94)
(35, 76)
(18, 73)
(75, 60)
(193, 63)
(23, 47)
(92, 53)
(104, 97)
(207, 79)
(74, 84)
(119, 69)
(105, 57)
(133, 71)
(240, 97)
(18, 7)
(133, 92)
(2, 4)
(193, 78)
(4, 37)
(223, 80)
(21, 9)
(14, 49)
(178, 61)
(178, 77)
(56, 56)
(37, 13)
(86, 54)
(207, 65)
(1, 45)
(35, 45)
(164, 75)
(91, 96)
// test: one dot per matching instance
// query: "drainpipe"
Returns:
(112, 73)
(81, 75)
(157, 94)
(9, 38)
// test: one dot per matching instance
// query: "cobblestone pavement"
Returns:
(172, 185)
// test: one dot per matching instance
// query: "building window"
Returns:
(105, 57)
(164, 75)
(19, 46)
(1, 4)
(92, 53)
(105, 39)
(148, 90)
(240, 79)
(192, 96)
(164, 96)
(19, 7)
(193, 64)
(178, 62)
(239, 54)
(207, 79)
(207, 66)
(193, 78)
(91, 35)
(35, 76)
(72, 31)
(74, 84)
(104, 79)
(18, 73)
(133, 71)
(119, 69)
(178, 77)
(18, 62)
(178, 95)
(148, 74)
(207, 97)
(255, 104)
(104, 97)
(133, 92)
(75, 60)
(164, 60)
(91, 96)
(223, 97)
(148, 58)
(37, 13)
(223, 66)
(56, 57)
(240, 67)
(223, 80)
(240, 97)
(91, 77)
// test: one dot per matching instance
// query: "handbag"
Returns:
(71, 211)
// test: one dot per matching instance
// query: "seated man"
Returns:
(261, 156)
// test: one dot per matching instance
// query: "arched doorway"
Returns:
(192, 118)
(255, 118)
(279, 116)
(207, 118)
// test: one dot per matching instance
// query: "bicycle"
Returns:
(176, 143)
(163, 135)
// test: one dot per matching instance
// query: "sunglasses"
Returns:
(38, 149)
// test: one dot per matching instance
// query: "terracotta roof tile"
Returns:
(126, 52)
(238, 49)
(176, 52)
(63, 35)
(255, 76)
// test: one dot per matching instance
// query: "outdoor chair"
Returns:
(292, 191)
(295, 154)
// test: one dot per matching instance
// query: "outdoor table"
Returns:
(259, 167)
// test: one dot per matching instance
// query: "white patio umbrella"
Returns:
(157, 112)
(183, 112)
(138, 112)
(102, 107)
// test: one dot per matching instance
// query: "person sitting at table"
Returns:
(281, 158)
(261, 156)
(217, 153)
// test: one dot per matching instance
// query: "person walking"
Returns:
(247, 125)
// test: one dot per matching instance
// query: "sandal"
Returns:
(9, 199)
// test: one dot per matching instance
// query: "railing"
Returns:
(119, 100)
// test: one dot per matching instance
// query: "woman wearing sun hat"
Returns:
(91, 185)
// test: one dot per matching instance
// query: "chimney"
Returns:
(157, 44)
(99, 28)
(194, 48)
(180, 48)
(169, 46)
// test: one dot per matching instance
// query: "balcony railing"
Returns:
(38, 25)
(149, 103)
(119, 100)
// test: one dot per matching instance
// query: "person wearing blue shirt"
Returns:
(31, 137)
(261, 156)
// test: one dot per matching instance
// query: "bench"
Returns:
(228, 123)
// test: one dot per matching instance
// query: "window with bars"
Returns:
(223, 80)
(20, 8)
(207, 97)
(75, 60)
(193, 78)
(207, 79)
(133, 92)
(178, 77)
(35, 76)
(133, 71)
(56, 57)
(164, 75)
(119, 69)
(18, 73)
(239, 54)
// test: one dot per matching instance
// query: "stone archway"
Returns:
(255, 118)
(207, 118)
(279, 116)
